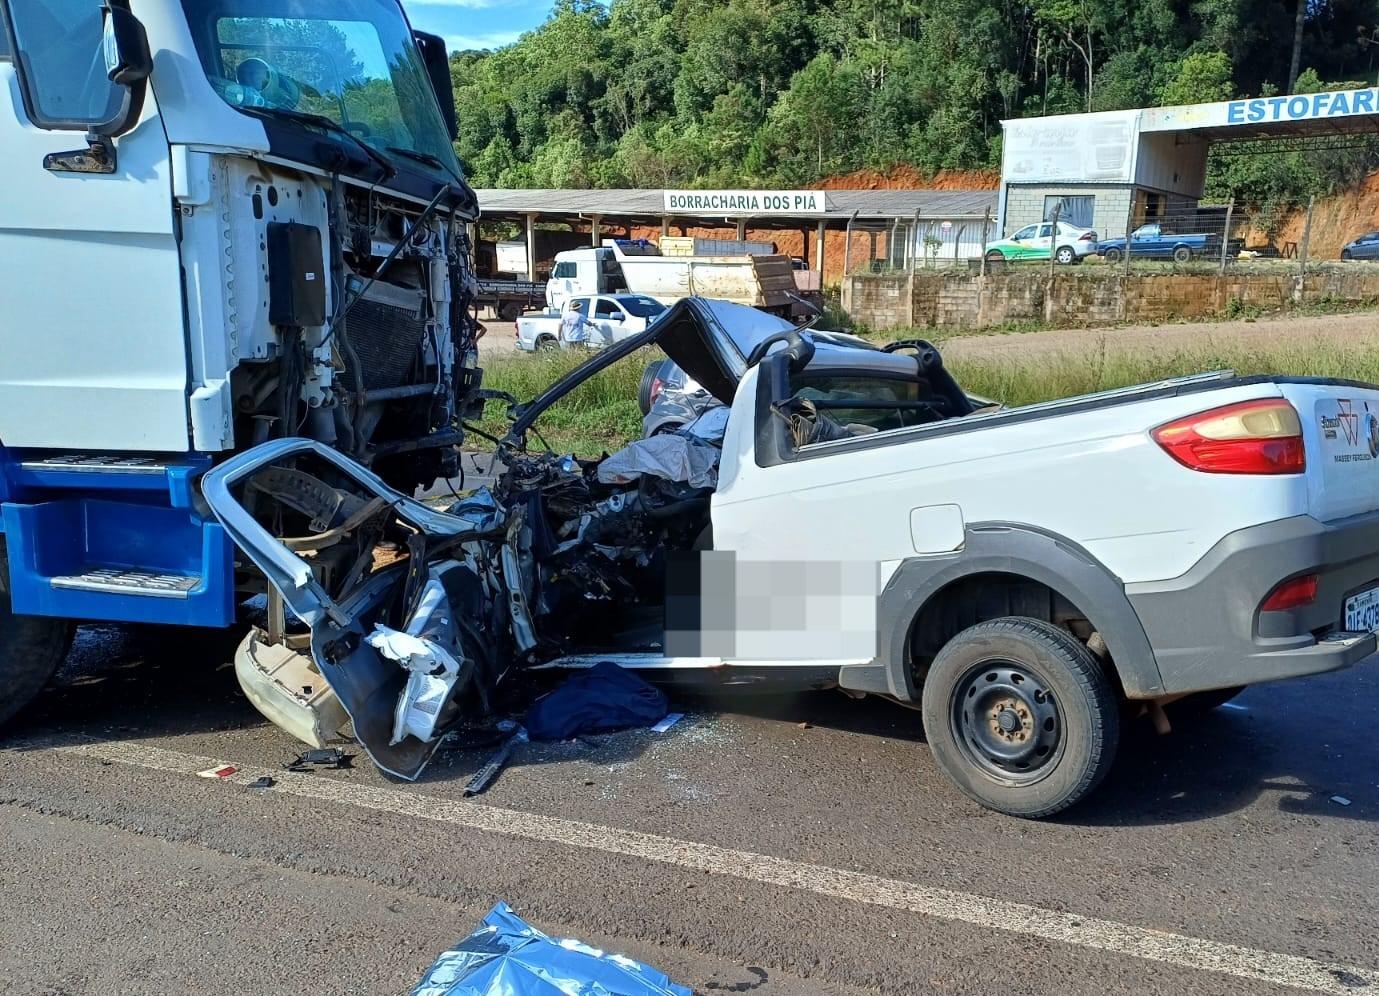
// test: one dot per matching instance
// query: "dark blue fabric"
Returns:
(508, 957)
(601, 699)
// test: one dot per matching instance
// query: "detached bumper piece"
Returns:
(509, 957)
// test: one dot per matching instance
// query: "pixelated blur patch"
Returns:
(719, 605)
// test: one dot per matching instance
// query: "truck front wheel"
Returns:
(1020, 716)
(31, 648)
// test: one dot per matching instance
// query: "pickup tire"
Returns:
(1020, 716)
(1182, 254)
(31, 648)
(1111, 255)
(546, 344)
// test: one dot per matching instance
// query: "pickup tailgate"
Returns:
(1340, 424)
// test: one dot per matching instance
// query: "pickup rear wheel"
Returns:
(1065, 255)
(1181, 254)
(1020, 716)
(1111, 255)
(31, 648)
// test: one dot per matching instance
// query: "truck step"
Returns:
(128, 581)
(100, 463)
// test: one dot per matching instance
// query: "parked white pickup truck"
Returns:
(1022, 574)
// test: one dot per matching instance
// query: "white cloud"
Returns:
(491, 39)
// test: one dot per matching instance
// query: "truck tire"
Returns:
(509, 311)
(644, 388)
(1111, 255)
(1181, 254)
(546, 343)
(31, 648)
(1020, 716)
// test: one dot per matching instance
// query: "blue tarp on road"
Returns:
(509, 957)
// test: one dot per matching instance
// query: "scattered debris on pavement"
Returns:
(1340, 800)
(317, 758)
(486, 775)
(509, 957)
(664, 725)
(263, 782)
(223, 771)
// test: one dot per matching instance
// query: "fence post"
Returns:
(1129, 227)
(1306, 237)
(847, 245)
(1226, 237)
(986, 229)
(1053, 239)
(957, 243)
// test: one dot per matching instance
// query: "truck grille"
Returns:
(386, 339)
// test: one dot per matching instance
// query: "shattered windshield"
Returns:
(352, 61)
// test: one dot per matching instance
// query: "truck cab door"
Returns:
(92, 331)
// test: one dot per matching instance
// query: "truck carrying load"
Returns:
(674, 245)
(760, 280)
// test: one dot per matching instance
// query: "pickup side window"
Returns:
(605, 308)
(1046, 231)
(563, 270)
(61, 63)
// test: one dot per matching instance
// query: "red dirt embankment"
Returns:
(1335, 220)
(909, 178)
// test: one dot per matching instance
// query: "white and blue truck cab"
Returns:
(224, 222)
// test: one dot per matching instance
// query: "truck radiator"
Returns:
(385, 328)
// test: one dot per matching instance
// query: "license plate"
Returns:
(1362, 611)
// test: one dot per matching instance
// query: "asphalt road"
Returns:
(797, 846)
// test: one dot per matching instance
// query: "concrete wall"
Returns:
(968, 300)
(1025, 205)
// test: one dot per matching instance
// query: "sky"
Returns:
(476, 23)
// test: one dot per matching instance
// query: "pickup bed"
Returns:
(1019, 574)
(1153, 241)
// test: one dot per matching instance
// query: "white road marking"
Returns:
(872, 890)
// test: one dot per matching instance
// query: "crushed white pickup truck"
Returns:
(1025, 575)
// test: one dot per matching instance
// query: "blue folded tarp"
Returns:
(509, 957)
(599, 700)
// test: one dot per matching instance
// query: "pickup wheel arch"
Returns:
(1016, 552)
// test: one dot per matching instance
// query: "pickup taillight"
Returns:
(1251, 437)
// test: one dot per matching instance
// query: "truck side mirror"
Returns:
(125, 45)
(437, 62)
(128, 63)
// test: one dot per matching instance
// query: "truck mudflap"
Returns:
(395, 605)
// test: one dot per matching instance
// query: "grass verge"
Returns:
(602, 414)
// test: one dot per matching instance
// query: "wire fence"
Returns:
(1202, 238)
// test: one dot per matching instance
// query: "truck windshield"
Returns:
(353, 61)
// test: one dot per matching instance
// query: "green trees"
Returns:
(728, 92)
